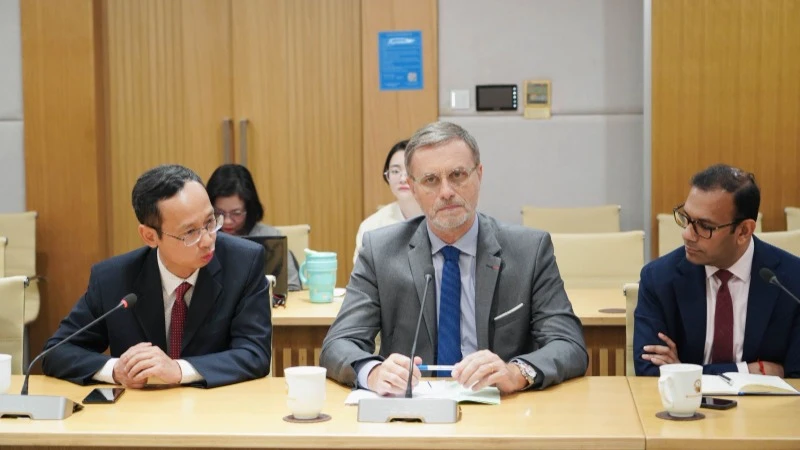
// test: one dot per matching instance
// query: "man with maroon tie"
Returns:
(203, 313)
(705, 303)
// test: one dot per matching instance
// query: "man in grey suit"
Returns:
(515, 329)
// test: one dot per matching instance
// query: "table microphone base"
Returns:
(426, 410)
(44, 407)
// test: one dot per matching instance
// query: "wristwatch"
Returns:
(526, 370)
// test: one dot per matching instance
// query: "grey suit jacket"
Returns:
(514, 265)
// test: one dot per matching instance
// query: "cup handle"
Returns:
(302, 273)
(666, 386)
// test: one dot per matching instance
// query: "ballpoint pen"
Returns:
(726, 379)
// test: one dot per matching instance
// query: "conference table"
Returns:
(299, 328)
(586, 412)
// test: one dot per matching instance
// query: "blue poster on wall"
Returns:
(400, 60)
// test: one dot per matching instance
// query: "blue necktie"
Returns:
(449, 345)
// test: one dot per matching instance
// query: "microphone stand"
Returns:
(409, 409)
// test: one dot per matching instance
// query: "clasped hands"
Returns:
(145, 360)
(477, 370)
(668, 354)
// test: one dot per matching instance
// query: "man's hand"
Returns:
(391, 376)
(662, 354)
(143, 361)
(770, 368)
(484, 368)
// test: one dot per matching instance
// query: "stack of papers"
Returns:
(438, 389)
(746, 384)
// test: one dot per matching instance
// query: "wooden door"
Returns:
(168, 88)
(297, 82)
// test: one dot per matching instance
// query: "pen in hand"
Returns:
(435, 367)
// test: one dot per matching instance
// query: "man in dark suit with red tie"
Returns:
(203, 313)
(705, 302)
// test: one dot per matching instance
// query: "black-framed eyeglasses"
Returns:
(431, 182)
(701, 229)
(278, 300)
(192, 237)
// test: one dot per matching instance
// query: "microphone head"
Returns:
(129, 301)
(428, 277)
(767, 275)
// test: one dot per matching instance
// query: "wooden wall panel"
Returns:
(390, 116)
(169, 89)
(726, 88)
(298, 81)
(64, 158)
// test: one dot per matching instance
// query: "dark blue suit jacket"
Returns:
(672, 300)
(228, 330)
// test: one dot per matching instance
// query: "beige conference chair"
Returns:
(669, 233)
(792, 218)
(785, 240)
(12, 320)
(631, 291)
(297, 239)
(591, 219)
(20, 230)
(599, 260)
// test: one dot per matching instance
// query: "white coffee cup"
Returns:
(5, 373)
(306, 386)
(680, 386)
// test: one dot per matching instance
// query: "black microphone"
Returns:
(428, 278)
(770, 277)
(127, 302)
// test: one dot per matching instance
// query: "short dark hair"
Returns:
(400, 146)
(158, 183)
(746, 195)
(235, 179)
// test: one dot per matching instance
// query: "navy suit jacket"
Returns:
(672, 300)
(227, 337)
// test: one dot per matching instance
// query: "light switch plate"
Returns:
(459, 99)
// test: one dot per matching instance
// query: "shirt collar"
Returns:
(170, 281)
(740, 269)
(468, 243)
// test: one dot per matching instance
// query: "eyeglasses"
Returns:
(456, 178)
(192, 237)
(701, 229)
(236, 214)
(395, 174)
(278, 300)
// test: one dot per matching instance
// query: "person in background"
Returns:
(406, 207)
(496, 308)
(705, 303)
(234, 196)
(202, 317)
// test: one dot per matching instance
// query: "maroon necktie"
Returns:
(722, 347)
(177, 321)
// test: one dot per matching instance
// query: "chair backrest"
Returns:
(297, 236)
(631, 291)
(20, 230)
(792, 218)
(785, 240)
(669, 233)
(12, 319)
(3, 242)
(591, 219)
(599, 260)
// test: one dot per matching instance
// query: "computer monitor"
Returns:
(276, 260)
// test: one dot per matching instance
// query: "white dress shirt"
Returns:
(169, 283)
(739, 286)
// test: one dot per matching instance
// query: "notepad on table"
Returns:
(746, 384)
(438, 389)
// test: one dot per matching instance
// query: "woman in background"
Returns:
(406, 207)
(233, 194)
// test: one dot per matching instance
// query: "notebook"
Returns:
(746, 384)
(276, 260)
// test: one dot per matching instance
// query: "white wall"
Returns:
(12, 163)
(590, 152)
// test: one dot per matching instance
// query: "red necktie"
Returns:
(722, 347)
(177, 320)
